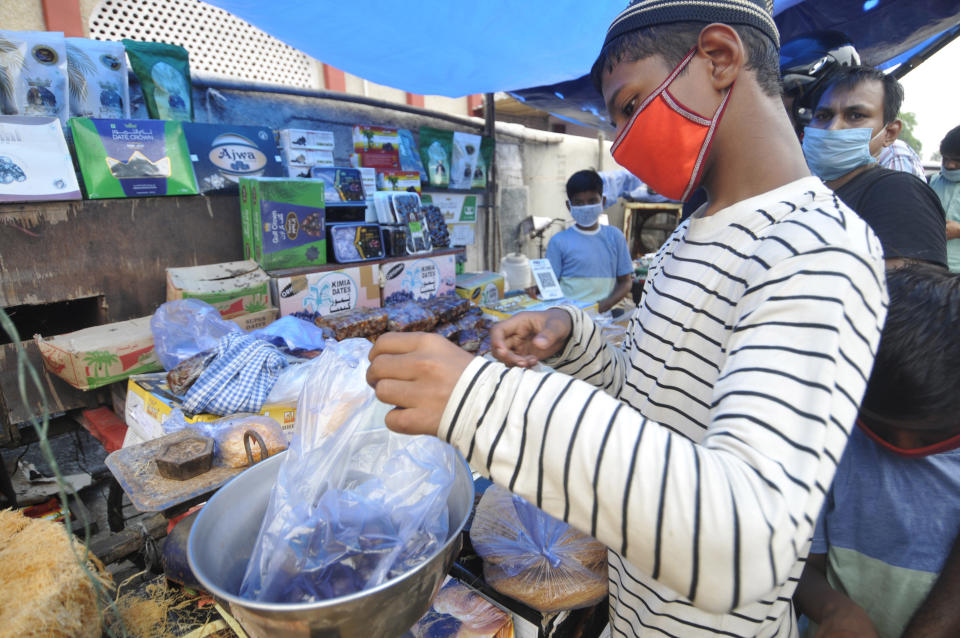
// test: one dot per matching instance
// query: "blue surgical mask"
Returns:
(951, 175)
(586, 215)
(832, 153)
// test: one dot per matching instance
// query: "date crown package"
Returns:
(132, 158)
(283, 221)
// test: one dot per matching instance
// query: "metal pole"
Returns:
(492, 250)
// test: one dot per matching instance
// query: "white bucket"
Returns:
(516, 269)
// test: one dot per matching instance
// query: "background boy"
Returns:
(700, 454)
(946, 184)
(892, 514)
(591, 261)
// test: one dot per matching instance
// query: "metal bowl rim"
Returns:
(257, 605)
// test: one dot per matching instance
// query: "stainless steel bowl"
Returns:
(222, 540)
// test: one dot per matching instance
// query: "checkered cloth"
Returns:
(238, 379)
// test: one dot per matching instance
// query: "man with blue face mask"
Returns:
(854, 120)
(946, 185)
(591, 260)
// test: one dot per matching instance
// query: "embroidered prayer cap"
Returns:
(647, 13)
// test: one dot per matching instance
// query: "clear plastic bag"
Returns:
(532, 557)
(355, 504)
(185, 327)
(293, 333)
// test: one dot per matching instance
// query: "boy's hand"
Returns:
(848, 620)
(416, 372)
(528, 337)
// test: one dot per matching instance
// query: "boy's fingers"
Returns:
(412, 421)
(390, 366)
(396, 343)
(395, 392)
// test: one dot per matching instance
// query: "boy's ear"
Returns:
(603, 202)
(568, 204)
(725, 52)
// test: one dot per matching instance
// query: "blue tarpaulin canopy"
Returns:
(448, 48)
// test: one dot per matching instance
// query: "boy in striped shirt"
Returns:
(700, 453)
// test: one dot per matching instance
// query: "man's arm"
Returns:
(620, 290)
(836, 615)
(939, 615)
(721, 522)
(953, 229)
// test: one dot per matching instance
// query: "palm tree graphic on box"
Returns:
(100, 361)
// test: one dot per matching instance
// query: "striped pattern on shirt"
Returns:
(701, 453)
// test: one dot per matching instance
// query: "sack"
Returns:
(99, 86)
(532, 557)
(185, 327)
(163, 71)
(33, 74)
(354, 505)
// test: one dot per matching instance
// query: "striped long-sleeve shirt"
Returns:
(702, 451)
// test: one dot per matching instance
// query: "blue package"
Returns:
(223, 153)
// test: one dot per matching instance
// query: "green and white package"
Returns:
(283, 221)
(97, 71)
(436, 150)
(164, 74)
(483, 164)
(133, 158)
(466, 150)
(33, 74)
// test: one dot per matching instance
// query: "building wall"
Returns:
(21, 15)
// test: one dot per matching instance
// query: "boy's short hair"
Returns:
(583, 182)
(916, 374)
(848, 78)
(673, 41)
(950, 144)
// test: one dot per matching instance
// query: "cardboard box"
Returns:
(101, 355)
(234, 288)
(521, 303)
(482, 288)
(283, 222)
(417, 278)
(256, 320)
(150, 402)
(223, 153)
(324, 293)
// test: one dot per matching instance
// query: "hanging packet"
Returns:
(99, 86)
(436, 149)
(466, 150)
(481, 172)
(410, 154)
(33, 74)
(163, 71)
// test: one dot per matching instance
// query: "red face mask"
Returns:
(946, 445)
(665, 143)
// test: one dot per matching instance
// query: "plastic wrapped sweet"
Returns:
(182, 375)
(228, 435)
(532, 557)
(359, 322)
(437, 226)
(469, 340)
(410, 317)
(447, 308)
(447, 331)
(354, 505)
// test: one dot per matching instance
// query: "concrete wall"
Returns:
(21, 15)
